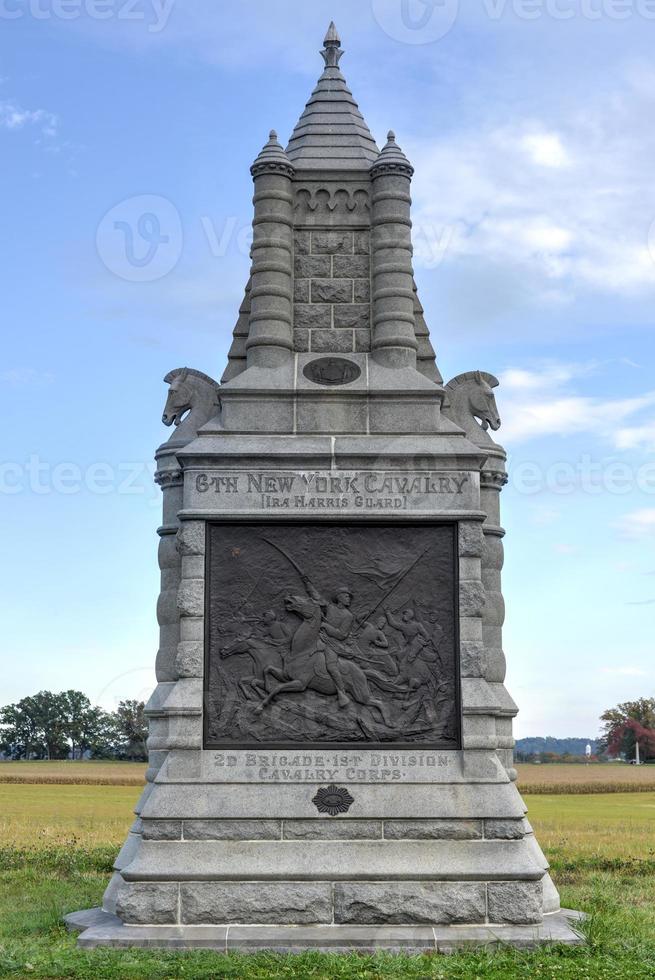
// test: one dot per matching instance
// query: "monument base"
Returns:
(99, 928)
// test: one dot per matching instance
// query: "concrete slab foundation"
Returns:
(98, 928)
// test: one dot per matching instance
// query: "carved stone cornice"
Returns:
(493, 479)
(316, 200)
(391, 161)
(272, 160)
(379, 169)
(169, 478)
(270, 167)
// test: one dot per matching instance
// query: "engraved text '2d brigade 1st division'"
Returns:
(330, 750)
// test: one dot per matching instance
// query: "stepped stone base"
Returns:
(99, 928)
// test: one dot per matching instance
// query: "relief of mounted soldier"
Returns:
(323, 647)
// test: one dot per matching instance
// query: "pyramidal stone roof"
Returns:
(332, 133)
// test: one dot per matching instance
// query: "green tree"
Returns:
(132, 727)
(20, 736)
(620, 733)
(87, 728)
(50, 726)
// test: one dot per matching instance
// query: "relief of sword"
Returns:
(362, 619)
(288, 558)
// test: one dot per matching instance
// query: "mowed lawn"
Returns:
(59, 839)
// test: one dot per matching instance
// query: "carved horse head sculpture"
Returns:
(470, 397)
(192, 400)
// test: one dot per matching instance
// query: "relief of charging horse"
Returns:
(305, 668)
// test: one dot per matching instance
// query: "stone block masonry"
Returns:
(332, 291)
(322, 902)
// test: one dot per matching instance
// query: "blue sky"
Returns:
(530, 127)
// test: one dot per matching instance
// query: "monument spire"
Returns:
(332, 134)
(332, 50)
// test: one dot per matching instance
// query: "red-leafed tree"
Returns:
(628, 724)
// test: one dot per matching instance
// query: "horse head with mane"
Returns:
(470, 398)
(192, 400)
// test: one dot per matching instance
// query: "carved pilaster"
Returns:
(394, 337)
(169, 478)
(492, 479)
(270, 337)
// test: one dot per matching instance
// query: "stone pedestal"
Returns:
(330, 737)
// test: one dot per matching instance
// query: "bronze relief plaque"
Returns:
(337, 633)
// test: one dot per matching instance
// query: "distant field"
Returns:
(548, 778)
(80, 773)
(42, 816)
(611, 777)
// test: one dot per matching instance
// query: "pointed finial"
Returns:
(332, 35)
(392, 159)
(272, 158)
(332, 47)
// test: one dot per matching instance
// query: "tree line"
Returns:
(67, 726)
(628, 725)
(624, 727)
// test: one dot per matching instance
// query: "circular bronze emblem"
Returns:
(332, 371)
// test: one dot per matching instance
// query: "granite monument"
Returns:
(330, 736)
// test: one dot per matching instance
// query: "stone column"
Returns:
(270, 337)
(169, 478)
(394, 341)
(492, 480)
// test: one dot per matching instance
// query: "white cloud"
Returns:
(637, 437)
(551, 374)
(638, 524)
(568, 415)
(545, 149)
(538, 402)
(624, 671)
(569, 209)
(14, 117)
(565, 549)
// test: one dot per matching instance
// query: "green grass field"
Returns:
(58, 842)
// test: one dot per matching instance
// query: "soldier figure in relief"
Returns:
(335, 629)
(277, 631)
(373, 646)
(415, 633)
